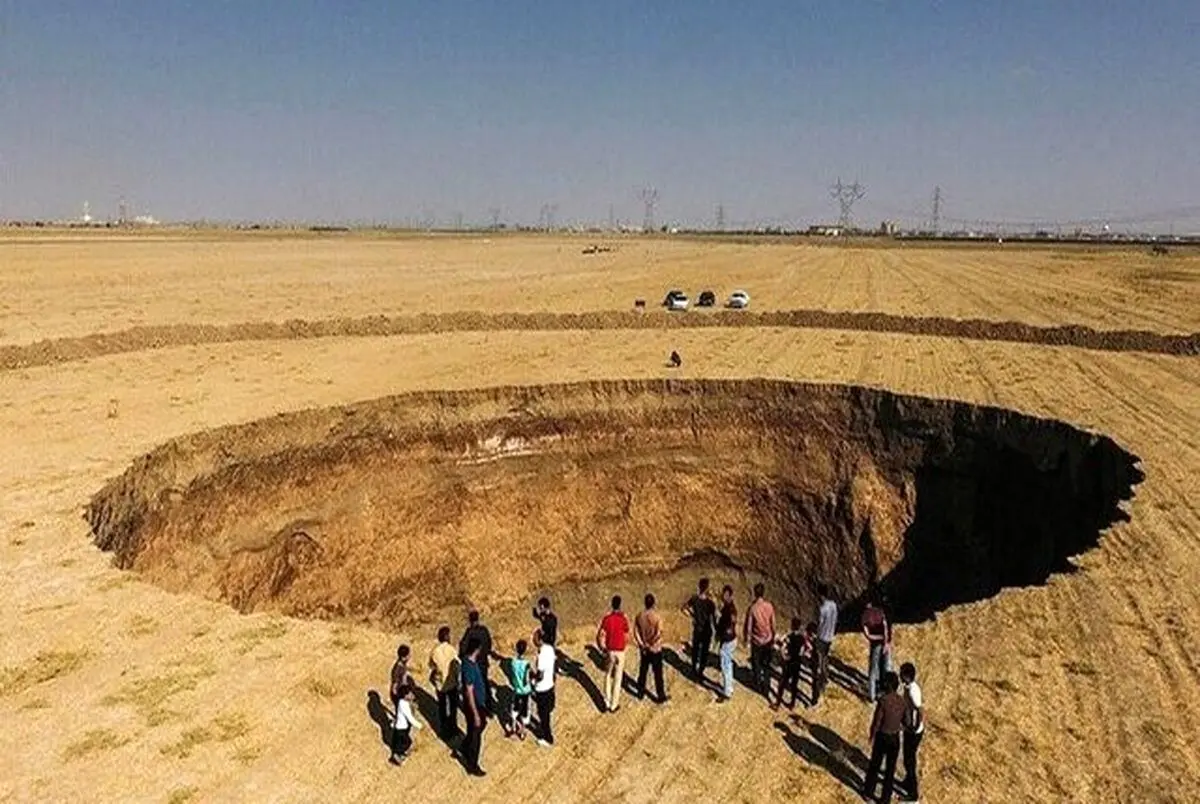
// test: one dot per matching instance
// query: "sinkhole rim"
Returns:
(130, 514)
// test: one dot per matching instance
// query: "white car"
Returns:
(676, 300)
(739, 299)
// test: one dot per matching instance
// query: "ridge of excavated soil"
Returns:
(387, 511)
(135, 339)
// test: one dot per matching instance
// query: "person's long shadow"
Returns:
(848, 677)
(382, 717)
(427, 705)
(820, 756)
(575, 671)
(676, 663)
(504, 702)
(833, 742)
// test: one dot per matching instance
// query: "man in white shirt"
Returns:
(543, 688)
(914, 728)
(827, 619)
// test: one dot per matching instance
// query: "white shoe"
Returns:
(543, 743)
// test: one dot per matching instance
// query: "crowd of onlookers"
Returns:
(461, 675)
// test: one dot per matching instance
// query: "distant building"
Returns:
(826, 230)
(889, 228)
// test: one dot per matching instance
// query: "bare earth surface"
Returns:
(1084, 689)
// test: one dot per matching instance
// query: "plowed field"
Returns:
(294, 392)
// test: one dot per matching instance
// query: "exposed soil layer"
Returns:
(136, 339)
(388, 511)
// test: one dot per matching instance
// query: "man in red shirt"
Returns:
(611, 639)
(759, 634)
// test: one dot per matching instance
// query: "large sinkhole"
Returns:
(392, 510)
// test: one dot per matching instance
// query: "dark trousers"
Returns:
(820, 668)
(790, 681)
(884, 752)
(912, 741)
(760, 666)
(488, 692)
(401, 742)
(544, 701)
(701, 641)
(472, 744)
(651, 659)
(448, 713)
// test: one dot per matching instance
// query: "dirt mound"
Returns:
(136, 339)
(389, 510)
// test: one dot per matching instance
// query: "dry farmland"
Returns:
(298, 450)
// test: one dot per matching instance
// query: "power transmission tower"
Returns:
(846, 195)
(122, 212)
(458, 216)
(495, 213)
(612, 218)
(546, 217)
(720, 217)
(937, 209)
(649, 197)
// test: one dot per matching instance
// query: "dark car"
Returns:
(707, 299)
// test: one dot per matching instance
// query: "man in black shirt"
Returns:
(478, 632)
(796, 646)
(727, 636)
(703, 611)
(548, 620)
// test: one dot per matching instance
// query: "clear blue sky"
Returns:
(321, 110)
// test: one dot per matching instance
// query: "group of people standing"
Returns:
(461, 676)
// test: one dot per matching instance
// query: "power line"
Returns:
(546, 217)
(846, 195)
(720, 217)
(649, 197)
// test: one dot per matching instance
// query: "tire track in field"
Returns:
(137, 339)
(970, 354)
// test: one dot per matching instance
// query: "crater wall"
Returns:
(388, 511)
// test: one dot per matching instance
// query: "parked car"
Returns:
(706, 299)
(676, 300)
(739, 299)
